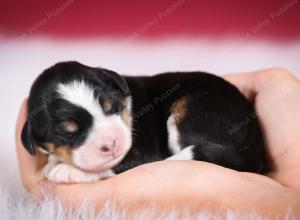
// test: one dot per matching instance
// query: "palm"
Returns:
(276, 98)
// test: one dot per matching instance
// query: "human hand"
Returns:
(201, 184)
(276, 97)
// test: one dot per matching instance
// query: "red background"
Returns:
(122, 18)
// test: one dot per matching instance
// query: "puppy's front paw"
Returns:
(64, 173)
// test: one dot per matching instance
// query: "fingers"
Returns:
(244, 82)
(252, 83)
(29, 166)
(249, 83)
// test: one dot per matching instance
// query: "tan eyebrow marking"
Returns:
(126, 117)
(70, 126)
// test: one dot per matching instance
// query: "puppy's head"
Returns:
(80, 114)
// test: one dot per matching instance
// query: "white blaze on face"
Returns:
(109, 138)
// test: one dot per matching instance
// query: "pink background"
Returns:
(137, 37)
(214, 18)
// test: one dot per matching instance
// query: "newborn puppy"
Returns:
(94, 123)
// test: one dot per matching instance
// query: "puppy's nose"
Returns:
(104, 148)
(108, 147)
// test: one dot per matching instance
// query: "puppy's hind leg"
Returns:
(184, 154)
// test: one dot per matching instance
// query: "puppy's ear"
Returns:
(26, 138)
(118, 80)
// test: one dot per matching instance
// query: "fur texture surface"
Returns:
(24, 208)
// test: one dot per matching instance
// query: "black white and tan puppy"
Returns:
(95, 123)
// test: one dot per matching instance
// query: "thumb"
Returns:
(30, 166)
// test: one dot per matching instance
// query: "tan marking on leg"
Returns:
(178, 112)
(64, 153)
(179, 109)
(50, 147)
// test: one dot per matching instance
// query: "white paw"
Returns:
(64, 173)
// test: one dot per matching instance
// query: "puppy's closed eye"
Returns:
(70, 126)
(111, 105)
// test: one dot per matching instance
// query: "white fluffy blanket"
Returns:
(20, 206)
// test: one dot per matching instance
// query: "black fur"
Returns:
(215, 111)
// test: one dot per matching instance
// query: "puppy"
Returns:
(94, 123)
